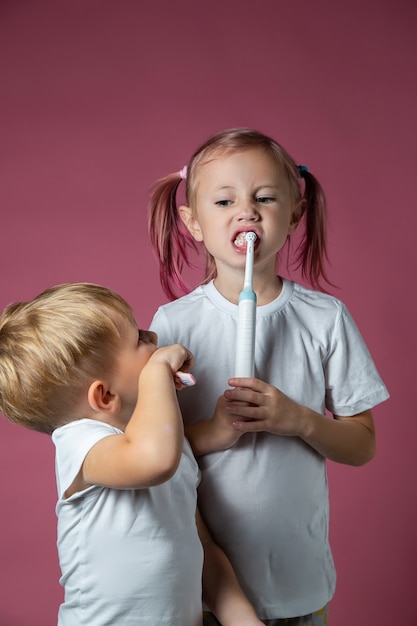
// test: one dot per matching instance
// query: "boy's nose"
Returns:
(148, 336)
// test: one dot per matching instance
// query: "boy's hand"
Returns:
(178, 357)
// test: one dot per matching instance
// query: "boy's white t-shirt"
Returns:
(266, 499)
(128, 557)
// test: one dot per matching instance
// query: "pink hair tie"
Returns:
(183, 173)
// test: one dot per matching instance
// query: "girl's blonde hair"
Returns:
(53, 347)
(171, 241)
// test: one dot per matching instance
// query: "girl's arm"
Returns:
(349, 440)
(257, 406)
(221, 591)
(253, 406)
(149, 451)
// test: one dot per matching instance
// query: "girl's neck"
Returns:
(266, 290)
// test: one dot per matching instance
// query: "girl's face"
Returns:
(237, 193)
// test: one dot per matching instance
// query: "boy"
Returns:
(74, 365)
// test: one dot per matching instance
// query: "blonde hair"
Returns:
(171, 241)
(53, 347)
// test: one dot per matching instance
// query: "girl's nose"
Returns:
(249, 211)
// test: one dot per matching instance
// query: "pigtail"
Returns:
(170, 240)
(311, 254)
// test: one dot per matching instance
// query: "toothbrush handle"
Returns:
(245, 340)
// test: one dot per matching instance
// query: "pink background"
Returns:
(98, 99)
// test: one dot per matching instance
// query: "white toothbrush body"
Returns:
(246, 326)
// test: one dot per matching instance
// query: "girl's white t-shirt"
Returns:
(266, 499)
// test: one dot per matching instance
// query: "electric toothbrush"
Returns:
(246, 325)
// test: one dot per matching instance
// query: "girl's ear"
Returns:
(297, 214)
(101, 399)
(190, 222)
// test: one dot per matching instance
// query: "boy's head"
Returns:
(53, 347)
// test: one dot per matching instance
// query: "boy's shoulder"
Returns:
(83, 428)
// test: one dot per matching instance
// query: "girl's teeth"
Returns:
(240, 239)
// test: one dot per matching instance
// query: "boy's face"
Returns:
(136, 348)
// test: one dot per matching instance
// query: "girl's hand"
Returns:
(257, 406)
(216, 434)
(252, 406)
(223, 433)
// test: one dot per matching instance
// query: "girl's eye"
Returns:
(223, 202)
(265, 199)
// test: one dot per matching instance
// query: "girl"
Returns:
(262, 442)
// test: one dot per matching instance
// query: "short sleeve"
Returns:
(73, 442)
(160, 326)
(353, 383)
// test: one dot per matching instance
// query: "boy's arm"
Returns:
(221, 591)
(149, 451)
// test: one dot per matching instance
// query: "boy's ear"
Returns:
(101, 399)
(190, 222)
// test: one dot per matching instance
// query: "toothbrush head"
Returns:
(250, 236)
